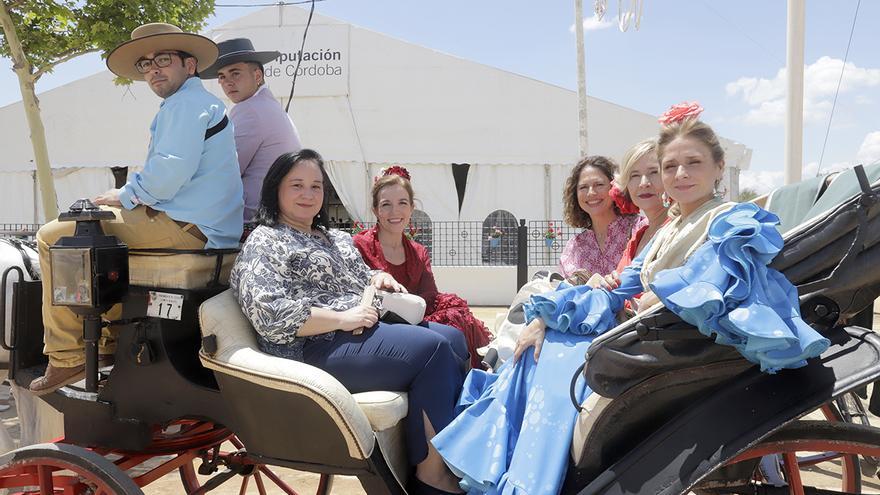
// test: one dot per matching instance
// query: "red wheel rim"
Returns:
(46, 476)
(789, 449)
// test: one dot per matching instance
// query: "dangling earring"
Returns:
(719, 192)
(666, 202)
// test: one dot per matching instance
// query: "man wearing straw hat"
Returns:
(263, 130)
(188, 195)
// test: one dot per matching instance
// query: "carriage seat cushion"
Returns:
(384, 409)
(176, 271)
(237, 353)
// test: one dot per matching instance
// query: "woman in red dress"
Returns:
(386, 248)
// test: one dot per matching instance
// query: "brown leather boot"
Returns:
(57, 377)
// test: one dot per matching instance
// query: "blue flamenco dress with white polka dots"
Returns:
(514, 431)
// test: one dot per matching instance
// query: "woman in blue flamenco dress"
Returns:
(708, 265)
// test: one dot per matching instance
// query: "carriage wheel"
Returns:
(256, 475)
(53, 468)
(834, 445)
(849, 408)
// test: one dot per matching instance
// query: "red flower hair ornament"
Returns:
(393, 170)
(624, 204)
(677, 113)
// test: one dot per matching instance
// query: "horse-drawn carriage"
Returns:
(674, 412)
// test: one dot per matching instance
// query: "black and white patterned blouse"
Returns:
(281, 273)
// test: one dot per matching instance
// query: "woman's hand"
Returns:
(385, 281)
(647, 300)
(531, 336)
(358, 317)
(608, 282)
(579, 277)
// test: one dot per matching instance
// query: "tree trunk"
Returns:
(32, 110)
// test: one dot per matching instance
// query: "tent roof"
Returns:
(390, 102)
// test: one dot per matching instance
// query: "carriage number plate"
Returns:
(165, 305)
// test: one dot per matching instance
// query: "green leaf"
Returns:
(52, 30)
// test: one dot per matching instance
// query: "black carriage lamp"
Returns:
(89, 275)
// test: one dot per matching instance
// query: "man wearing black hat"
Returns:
(263, 130)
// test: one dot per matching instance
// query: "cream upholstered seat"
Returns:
(363, 418)
(177, 271)
(383, 409)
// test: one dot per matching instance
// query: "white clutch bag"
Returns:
(398, 307)
(394, 307)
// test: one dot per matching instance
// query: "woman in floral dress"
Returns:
(589, 204)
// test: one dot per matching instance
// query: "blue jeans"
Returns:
(428, 363)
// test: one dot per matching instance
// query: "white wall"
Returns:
(481, 285)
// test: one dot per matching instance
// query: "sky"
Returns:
(727, 55)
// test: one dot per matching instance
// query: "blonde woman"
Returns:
(640, 183)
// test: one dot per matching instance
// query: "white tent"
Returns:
(365, 101)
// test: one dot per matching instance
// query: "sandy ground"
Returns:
(826, 476)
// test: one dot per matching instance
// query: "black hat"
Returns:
(234, 51)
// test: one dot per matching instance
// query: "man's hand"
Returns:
(109, 198)
(384, 281)
(531, 336)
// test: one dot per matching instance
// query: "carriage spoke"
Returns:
(279, 483)
(850, 465)
(236, 442)
(259, 480)
(793, 473)
(244, 485)
(44, 475)
(325, 484)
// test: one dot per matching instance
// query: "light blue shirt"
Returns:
(192, 179)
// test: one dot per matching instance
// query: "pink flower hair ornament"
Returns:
(680, 112)
(624, 204)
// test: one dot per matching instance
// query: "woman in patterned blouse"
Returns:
(300, 286)
(588, 205)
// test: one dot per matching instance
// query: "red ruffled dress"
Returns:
(415, 274)
(629, 252)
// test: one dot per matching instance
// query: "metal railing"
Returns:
(455, 243)
(20, 230)
(546, 240)
(474, 243)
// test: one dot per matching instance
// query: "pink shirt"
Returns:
(582, 251)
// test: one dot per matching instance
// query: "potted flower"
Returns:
(495, 236)
(411, 232)
(550, 235)
(357, 228)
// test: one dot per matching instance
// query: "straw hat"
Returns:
(157, 37)
(234, 51)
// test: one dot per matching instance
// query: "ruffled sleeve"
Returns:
(726, 288)
(581, 309)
